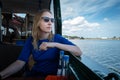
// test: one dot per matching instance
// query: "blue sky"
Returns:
(91, 18)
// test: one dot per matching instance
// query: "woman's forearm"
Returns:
(71, 48)
(13, 68)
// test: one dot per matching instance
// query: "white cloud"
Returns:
(72, 8)
(68, 11)
(90, 18)
(106, 19)
(77, 25)
(75, 21)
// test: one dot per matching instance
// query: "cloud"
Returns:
(106, 19)
(75, 21)
(68, 11)
(78, 24)
(90, 18)
(85, 7)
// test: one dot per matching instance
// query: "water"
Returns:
(105, 52)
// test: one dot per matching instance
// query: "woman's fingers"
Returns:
(43, 46)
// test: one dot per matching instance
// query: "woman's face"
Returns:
(46, 22)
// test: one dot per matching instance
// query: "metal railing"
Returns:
(79, 71)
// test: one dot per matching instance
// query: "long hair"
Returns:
(36, 31)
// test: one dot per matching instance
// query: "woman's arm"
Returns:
(13, 68)
(71, 48)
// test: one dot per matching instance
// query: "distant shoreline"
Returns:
(92, 39)
(101, 38)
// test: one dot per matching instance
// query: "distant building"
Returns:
(104, 37)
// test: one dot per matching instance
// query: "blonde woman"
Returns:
(44, 47)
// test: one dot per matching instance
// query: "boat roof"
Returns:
(24, 6)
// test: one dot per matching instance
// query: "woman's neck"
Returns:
(44, 36)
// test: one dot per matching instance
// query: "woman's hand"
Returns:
(12, 68)
(46, 45)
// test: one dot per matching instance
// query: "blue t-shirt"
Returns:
(45, 61)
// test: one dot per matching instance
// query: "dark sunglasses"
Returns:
(47, 19)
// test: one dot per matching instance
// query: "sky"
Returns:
(21, 14)
(90, 18)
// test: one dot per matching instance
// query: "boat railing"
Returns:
(79, 71)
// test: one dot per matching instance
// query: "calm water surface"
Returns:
(105, 52)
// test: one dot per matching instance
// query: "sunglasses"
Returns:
(47, 19)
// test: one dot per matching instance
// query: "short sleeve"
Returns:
(60, 39)
(26, 51)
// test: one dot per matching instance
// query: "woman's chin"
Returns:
(48, 31)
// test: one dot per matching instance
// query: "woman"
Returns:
(44, 47)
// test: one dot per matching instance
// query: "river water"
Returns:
(105, 52)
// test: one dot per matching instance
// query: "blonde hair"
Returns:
(36, 31)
